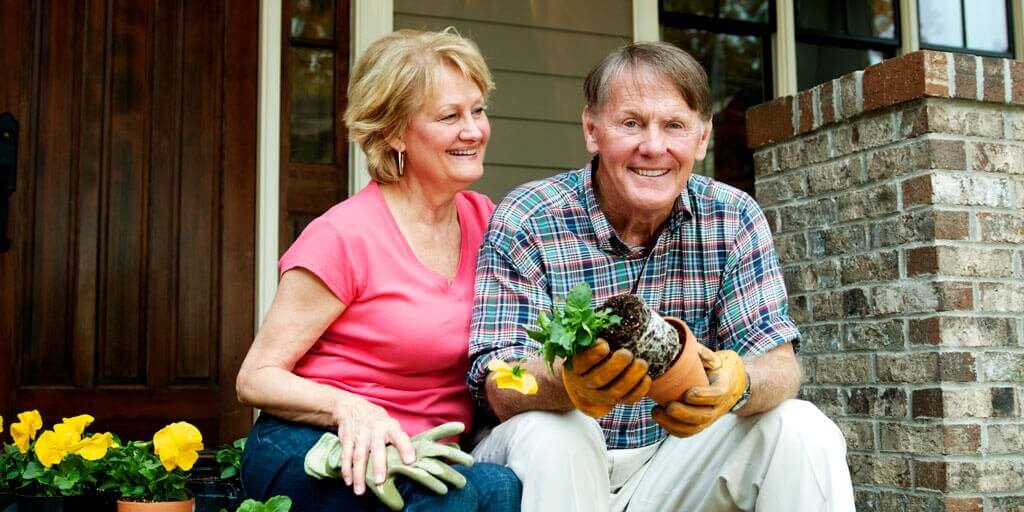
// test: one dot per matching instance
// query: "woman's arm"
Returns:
(302, 310)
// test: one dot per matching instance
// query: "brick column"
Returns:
(896, 195)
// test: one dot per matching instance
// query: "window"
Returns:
(732, 40)
(983, 28)
(837, 37)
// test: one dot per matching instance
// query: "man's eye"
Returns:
(676, 126)
(630, 124)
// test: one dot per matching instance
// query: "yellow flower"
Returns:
(94, 447)
(24, 431)
(1, 424)
(78, 423)
(52, 446)
(178, 445)
(512, 377)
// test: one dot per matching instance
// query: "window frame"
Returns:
(1010, 52)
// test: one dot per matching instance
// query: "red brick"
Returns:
(994, 89)
(927, 402)
(770, 122)
(954, 296)
(925, 331)
(1017, 81)
(826, 101)
(917, 191)
(936, 74)
(949, 225)
(930, 475)
(963, 504)
(806, 117)
(922, 260)
(957, 367)
(966, 82)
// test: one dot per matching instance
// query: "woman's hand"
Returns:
(365, 430)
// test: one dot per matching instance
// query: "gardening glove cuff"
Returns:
(598, 379)
(702, 405)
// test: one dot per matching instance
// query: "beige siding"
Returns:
(539, 52)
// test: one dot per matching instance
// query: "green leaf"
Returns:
(279, 504)
(579, 297)
(228, 472)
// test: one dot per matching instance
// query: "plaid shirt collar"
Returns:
(607, 239)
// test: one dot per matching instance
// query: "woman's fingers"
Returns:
(378, 456)
(401, 440)
(359, 456)
(347, 444)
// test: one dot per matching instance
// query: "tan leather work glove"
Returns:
(600, 379)
(702, 405)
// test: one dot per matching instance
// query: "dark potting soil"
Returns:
(658, 348)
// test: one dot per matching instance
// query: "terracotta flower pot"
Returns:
(684, 373)
(156, 506)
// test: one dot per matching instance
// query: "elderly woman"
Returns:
(368, 333)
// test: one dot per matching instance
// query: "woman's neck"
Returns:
(412, 201)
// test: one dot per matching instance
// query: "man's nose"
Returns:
(653, 141)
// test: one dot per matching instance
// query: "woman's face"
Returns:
(446, 139)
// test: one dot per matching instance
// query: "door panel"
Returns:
(129, 291)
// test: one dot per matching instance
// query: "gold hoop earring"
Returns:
(401, 164)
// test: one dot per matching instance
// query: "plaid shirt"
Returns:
(713, 266)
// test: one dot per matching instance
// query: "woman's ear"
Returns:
(397, 144)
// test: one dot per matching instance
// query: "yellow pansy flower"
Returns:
(94, 447)
(178, 445)
(52, 446)
(24, 430)
(1, 424)
(512, 377)
(78, 423)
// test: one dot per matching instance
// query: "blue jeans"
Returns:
(272, 464)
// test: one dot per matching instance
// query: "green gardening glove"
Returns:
(429, 470)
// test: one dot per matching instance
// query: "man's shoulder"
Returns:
(527, 203)
(721, 197)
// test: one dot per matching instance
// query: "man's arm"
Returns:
(550, 395)
(774, 377)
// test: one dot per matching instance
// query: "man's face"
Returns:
(647, 139)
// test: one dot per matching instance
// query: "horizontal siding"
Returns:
(539, 53)
(526, 49)
(569, 15)
(499, 180)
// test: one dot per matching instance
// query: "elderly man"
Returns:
(637, 219)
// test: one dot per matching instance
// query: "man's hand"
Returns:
(600, 379)
(702, 405)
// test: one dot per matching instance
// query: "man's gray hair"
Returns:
(661, 60)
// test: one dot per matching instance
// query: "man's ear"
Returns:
(702, 144)
(589, 130)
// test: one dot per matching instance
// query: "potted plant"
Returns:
(62, 474)
(274, 504)
(624, 321)
(214, 480)
(151, 476)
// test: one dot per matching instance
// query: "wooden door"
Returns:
(128, 291)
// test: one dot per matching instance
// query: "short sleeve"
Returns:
(322, 250)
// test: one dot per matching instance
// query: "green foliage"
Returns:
(571, 328)
(12, 466)
(135, 472)
(275, 504)
(74, 476)
(230, 458)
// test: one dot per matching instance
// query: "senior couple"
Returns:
(395, 299)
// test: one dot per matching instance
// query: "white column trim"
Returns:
(371, 19)
(1018, 29)
(645, 21)
(910, 32)
(784, 49)
(268, 184)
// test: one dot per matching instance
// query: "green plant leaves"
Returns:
(274, 504)
(570, 328)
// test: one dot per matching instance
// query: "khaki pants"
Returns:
(792, 458)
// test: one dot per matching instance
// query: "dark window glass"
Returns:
(974, 26)
(311, 73)
(742, 10)
(816, 64)
(869, 18)
(313, 19)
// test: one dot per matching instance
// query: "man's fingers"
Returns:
(638, 392)
(674, 427)
(608, 370)
(690, 414)
(708, 358)
(705, 395)
(628, 380)
(584, 361)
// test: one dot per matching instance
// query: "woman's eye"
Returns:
(477, 112)
(448, 118)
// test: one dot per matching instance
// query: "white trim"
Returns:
(371, 19)
(910, 33)
(645, 21)
(784, 49)
(1018, 29)
(268, 163)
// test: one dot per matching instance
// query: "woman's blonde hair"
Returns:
(394, 79)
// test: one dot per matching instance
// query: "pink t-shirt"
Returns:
(402, 340)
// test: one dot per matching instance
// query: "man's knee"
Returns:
(549, 431)
(805, 424)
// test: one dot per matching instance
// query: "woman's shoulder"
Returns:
(358, 213)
